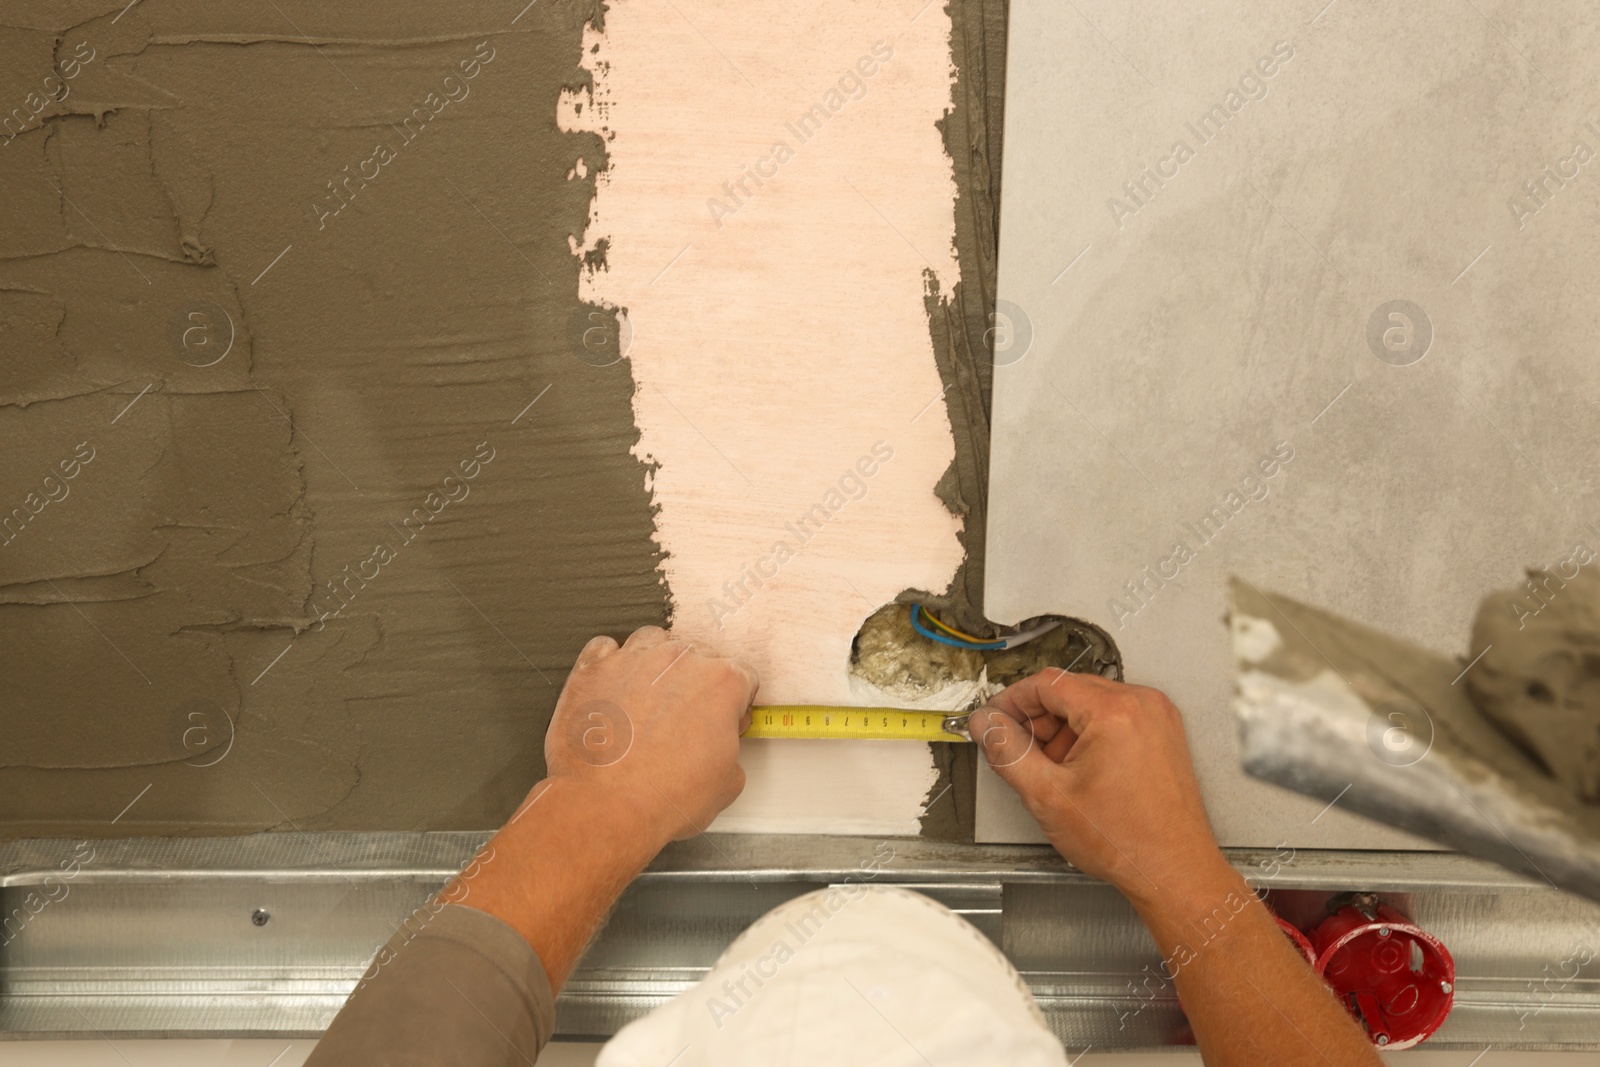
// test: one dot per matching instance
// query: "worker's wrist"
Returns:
(610, 813)
(1189, 887)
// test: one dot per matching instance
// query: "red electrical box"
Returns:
(1397, 980)
(1302, 944)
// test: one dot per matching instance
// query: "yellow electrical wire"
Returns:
(953, 632)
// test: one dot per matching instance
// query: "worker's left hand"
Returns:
(654, 725)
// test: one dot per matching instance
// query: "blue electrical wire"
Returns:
(916, 622)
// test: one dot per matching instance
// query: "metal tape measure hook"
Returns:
(958, 725)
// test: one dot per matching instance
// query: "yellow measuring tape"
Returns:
(861, 724)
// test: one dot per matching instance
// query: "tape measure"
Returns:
(860, 724)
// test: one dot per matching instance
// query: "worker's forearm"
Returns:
(556, 869)
(1248, 994)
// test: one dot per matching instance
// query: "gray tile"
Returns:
(1192, 321)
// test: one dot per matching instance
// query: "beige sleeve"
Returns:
(456, 987)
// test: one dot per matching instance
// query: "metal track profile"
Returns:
(265, 935)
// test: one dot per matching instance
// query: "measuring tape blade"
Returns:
(860, 724)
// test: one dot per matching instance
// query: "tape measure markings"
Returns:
(818, 721)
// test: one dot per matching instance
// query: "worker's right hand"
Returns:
(653, 725)
(1105, 769)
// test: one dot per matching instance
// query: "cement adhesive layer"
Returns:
(293, 274)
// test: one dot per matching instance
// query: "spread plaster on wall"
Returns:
(285, 269)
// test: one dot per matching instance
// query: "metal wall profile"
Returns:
(264, 935)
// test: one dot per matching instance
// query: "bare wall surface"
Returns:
(1311, 289)
(792, 251)
(285, 543)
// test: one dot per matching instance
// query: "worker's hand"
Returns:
(1105, 770)
(653, 724)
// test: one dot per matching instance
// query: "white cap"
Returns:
(850, 975)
